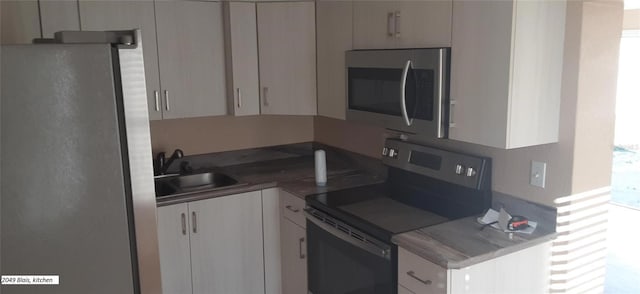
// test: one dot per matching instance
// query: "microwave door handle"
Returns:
(403, 88)
(439, 96)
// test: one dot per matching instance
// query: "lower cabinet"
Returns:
(294, 258)
(213, 245)
(523, 272)
(293, 242)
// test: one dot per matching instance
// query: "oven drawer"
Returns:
(419, 275)
(292, 208)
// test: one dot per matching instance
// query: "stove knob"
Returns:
(385, 151)
(392, 153)
(471, 172)
(459, 169)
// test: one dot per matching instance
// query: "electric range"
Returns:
(349, 231)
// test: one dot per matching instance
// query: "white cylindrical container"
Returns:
(321, 168)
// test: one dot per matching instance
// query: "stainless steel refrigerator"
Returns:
(76, 179)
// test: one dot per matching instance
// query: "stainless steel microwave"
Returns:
(405, 90)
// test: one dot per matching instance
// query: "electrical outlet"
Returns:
(538, 173)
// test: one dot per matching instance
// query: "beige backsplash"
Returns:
(224, 133)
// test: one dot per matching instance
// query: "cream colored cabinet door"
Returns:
(191, 58)
(125, 15)
(294, 257)
(287, 54)
(241, 48)
(58, 15)
(424, 24)
(19, 21)
(334, 38)
(505, 91)
(173, 240)
(271, 233)
(401, 24)
(226, 244)
(374, 24)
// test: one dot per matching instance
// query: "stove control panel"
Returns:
(458, 168)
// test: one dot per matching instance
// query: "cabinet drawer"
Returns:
(292, 207)
(419, 275)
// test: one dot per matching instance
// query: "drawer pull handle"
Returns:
(413, 275)
(289, 207)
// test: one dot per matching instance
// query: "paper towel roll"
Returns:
(321, 168)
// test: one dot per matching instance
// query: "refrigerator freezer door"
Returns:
(65, 191)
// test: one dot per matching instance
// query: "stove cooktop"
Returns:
(425, 186)
(373, 210)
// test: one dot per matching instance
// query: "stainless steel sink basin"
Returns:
(191, 183)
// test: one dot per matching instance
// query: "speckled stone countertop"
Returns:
(461, 243)
(292, 170)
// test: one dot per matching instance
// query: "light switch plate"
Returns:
(538, 173)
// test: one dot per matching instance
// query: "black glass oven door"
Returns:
(336, 266)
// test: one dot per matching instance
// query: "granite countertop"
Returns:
(461, 243)
(294, 174)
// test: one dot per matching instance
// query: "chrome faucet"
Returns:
(163, 164)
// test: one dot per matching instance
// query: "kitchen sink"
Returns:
(193, 182)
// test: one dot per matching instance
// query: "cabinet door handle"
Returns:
(391, 30)
(156, 96)
(239, 97)
(265, 91)
(194, 222)
(413, 275)
(289, 207)
(397, 24)
(301, 254)
(166, 100)
(183, 218)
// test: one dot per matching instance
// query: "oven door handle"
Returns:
(439, 98)
(403, 91)
(362, 244)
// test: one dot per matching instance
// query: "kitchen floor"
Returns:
(623, 261)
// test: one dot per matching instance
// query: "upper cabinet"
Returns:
(401, 24)
(287, 52)
(334, 37)
(506, 71)
(123, 15)
(19, 21)
(241, 44)
(184, 65)
(191, 58)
